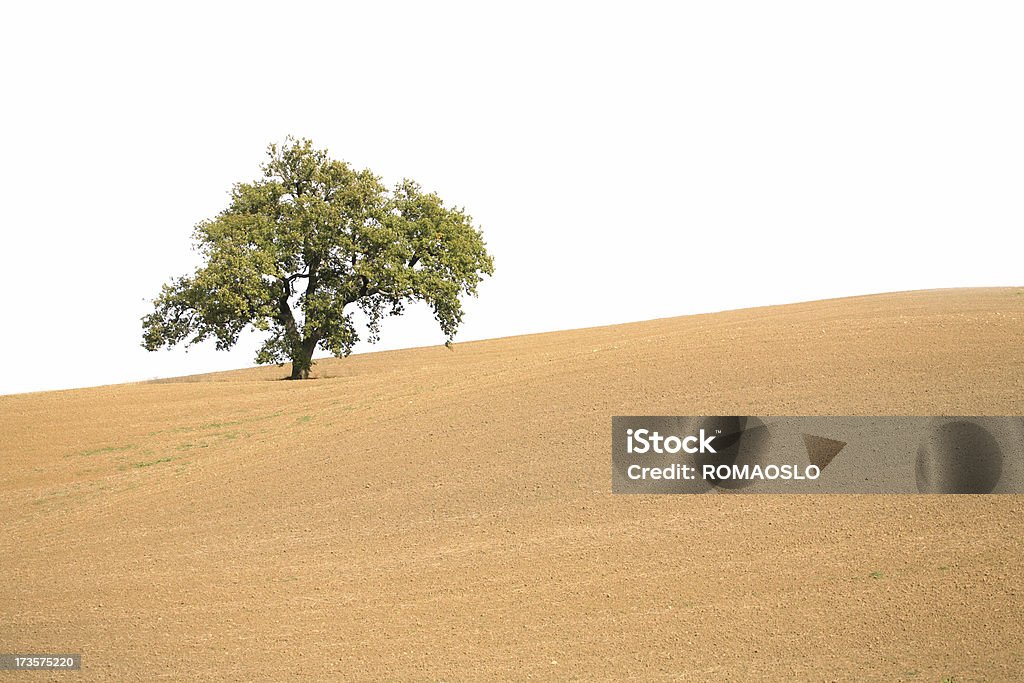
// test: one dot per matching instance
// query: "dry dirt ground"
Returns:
(446, 515)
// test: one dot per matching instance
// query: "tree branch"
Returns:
(285, 315)
(314, 265)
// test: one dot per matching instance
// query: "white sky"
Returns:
(625, 162)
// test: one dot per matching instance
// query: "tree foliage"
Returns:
(298, 250)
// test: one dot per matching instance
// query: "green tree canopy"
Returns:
(298, 250)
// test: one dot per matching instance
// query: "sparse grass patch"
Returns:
(217, 425)
(150, 464)
(59, 496)
(304, 418)
(876, 575)
(106, 449)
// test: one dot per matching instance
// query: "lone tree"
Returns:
(299, 246)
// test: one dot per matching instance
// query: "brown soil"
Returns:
(447, 515)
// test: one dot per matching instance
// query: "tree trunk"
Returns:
(299, 370)
(302, 358)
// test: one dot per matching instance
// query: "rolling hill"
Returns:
(434, 514)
